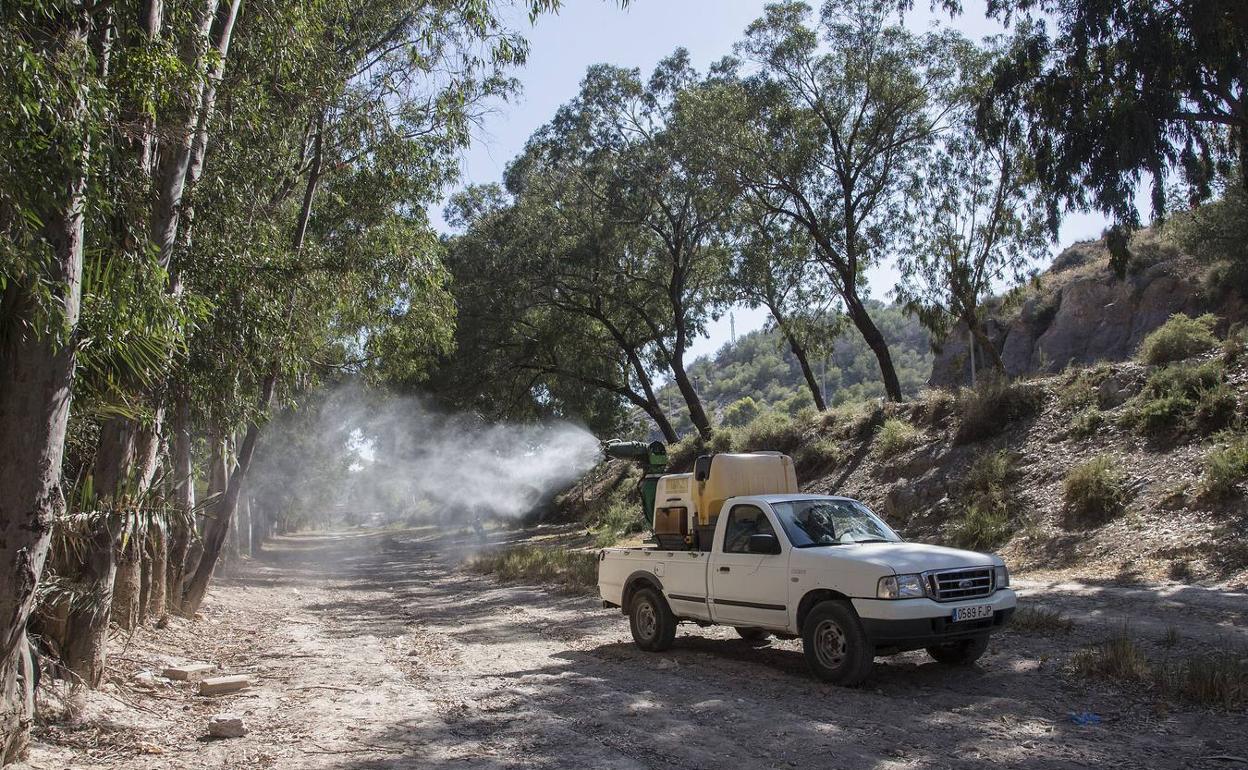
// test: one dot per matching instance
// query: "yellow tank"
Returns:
(719, 477)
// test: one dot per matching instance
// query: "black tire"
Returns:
(836, 646)
(752, 634)
(962, 653)
(651, 621)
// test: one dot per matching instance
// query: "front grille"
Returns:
(954, 584)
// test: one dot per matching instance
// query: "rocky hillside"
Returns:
(1080, 313)
(1122, 471)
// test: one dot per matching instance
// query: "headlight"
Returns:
(1001, 576)
(900, 587)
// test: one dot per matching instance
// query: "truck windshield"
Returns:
(810, 523)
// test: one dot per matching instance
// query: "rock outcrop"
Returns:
(1082, 313)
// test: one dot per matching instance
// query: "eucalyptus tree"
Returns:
(826, 128)
(540, 296)
(631, 145)
(1121, 90)
(774, 269)
(976, 224)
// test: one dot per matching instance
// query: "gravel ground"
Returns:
(374, 651)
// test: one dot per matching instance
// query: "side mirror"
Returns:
(764, 543)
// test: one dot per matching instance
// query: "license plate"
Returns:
(977, 612)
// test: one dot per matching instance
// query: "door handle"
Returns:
(725, 569)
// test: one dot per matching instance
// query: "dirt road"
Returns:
(370, 653)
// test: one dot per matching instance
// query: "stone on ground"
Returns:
(219, 685)
(226, 726)
(189, 672)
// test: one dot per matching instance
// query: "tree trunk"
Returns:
(226, 505)
(126, 586)
(183, 499)
(36, 375)
(244, 525)
(799, 352)
(980, 334)
(875, 340)
(157, 566)
(697, 415)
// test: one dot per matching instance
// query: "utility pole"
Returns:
(732, 327)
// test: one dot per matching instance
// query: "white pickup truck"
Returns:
(820, 567)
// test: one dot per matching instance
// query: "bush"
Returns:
(985, 410)
(740, 412)
(1225, 466)
(1179, 338)
(770, 431)
(1095, 491)
(722, 440)
(1087, 422)
(896, 436)
(680, 455)
(1182, 398)
(1219, 679)
(933, 405)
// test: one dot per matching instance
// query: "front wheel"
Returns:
(835, 644)
(651, 621)
(755, 635)
(962, 653)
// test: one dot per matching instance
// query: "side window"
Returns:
(743, 521)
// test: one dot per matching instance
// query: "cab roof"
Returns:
(788, 497)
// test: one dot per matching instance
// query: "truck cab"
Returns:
(820, 567)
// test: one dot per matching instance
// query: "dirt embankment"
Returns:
(375, 651)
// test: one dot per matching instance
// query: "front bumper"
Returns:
(897, 625)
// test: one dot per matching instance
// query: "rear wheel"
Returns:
(962, 653)
(836, 647)
(752, 634)
(651, 620)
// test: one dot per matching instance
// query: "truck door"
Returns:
(748, 589)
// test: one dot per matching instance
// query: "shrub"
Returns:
(896, 436)
(1225, 466)
(1178, 338)
(981, 527)
(1087, 422)
(986, 409)
(621, 517)
(1182, 397)
(933, 405)
(722, 440)
(681, 454)
(740, 412)
(770, 431)
(1235, 344)
(1095, 491)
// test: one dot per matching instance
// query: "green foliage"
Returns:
(1183, 398)
(740, 412)
(821, 455)
(1095, 133)
(770, 431)
(984, 522)
(985, 410)
(1216, 233)
(896, 435)
(1225, 465)
(1095, 491)
(1179, 338)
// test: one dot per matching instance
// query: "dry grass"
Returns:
(1225, 466)
(1095, 491)
(1038, 620)
(573, 570)
(985, 521)
(896, 436)
(985, 410)
(1118, 658)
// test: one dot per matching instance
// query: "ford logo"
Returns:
(966, 583)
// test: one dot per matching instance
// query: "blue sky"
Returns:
(588, 32)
